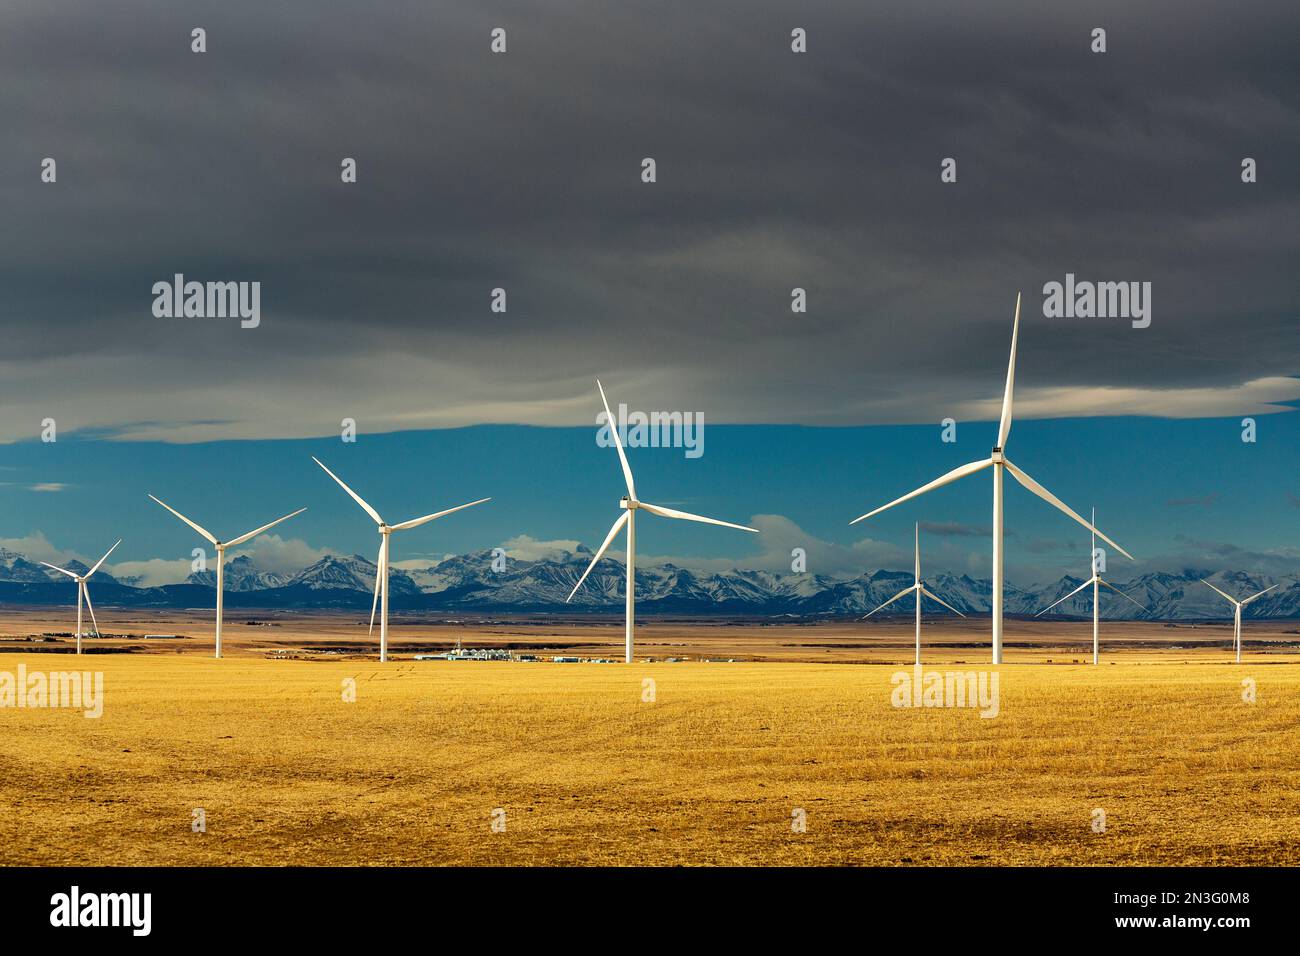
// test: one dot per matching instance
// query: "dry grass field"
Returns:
(709, 772)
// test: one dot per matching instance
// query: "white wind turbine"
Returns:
(381, 564)
(221, 547)
(1236, 612)
(630, 506)
(999, 463)
(920, 590)
(1095, 581)
(82, 593)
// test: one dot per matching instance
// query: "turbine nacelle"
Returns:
(628, 504)
(997, 457)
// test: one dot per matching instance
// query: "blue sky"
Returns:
(1170, 490)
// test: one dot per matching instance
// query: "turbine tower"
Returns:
(1096, 581)
(631, 506)
(221, 547)
(381, 564)
(1000, 463)
(1236, 612)
(83, 594)
(920, 590)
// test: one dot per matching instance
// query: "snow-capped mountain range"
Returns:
(469, 583)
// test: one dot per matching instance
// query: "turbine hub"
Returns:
(998, 457)
(629, 503)
(385, 529)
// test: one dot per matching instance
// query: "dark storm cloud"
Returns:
(955, 529)
(1193, 553)
(521, 170)
(1049, 546)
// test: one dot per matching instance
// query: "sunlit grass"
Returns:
(707, 773)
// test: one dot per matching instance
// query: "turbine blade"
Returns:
(203, 531)
(416, 522)
(687, 516)
(1004, 427)
(952, 476)
(355, 497)
(1120, 593)
(1051, 499)
(60, 570)
(917, 530)
(265, 527)
(613, 430)
(86, 593)
(902, 593)
(617, 527)
(1067, 597)
(103, 559)
(1260, 594)
(934, 597)
(379, 577)
(1220, 593)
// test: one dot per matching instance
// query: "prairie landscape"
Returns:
(689, 762)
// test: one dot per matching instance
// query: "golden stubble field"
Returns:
(709, 772)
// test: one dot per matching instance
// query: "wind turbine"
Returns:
(630, 506)
(82, 592)
(1000, 463)
(381, 564)
(1236, 612)
(920, 590)
(1095, 581)
(221, 547)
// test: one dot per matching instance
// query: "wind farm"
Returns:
(747, 718)
(773, 599)
(499, 582)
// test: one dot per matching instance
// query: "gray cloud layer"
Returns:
(522, 171)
